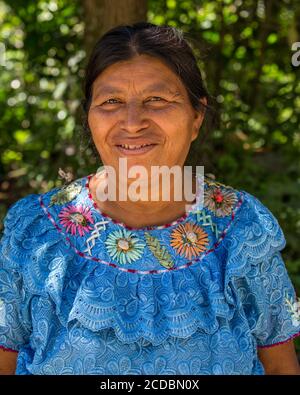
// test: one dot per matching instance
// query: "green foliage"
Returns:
(244, 52)
(40, 93)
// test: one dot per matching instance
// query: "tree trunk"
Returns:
(102, 15)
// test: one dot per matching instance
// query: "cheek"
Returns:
(97, 126)
(92, 121)
(178, 127)
(178, 144)
(179, 135)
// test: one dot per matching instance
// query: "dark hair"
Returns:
(164, 42)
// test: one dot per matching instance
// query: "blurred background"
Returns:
(244, 48)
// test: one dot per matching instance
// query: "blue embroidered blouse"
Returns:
(83, 294)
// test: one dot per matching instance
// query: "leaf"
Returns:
(159, 251)
(66, 194)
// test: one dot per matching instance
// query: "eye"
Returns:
(108, 101)
(113, 101)
(157, 97)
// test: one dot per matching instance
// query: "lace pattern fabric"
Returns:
(83, 294)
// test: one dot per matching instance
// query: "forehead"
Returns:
(108, 89)
(143, 72)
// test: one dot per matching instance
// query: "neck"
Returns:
(142, 213)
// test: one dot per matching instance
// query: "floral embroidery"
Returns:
(159, 251)
(219, 200)
(124, 246)
(76, 218)
(189, 240)
(66, 194)
(294, 309)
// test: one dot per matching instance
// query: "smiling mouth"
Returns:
(135, 149)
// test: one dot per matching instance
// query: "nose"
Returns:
(134, 117)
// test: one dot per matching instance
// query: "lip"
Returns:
(138, 151)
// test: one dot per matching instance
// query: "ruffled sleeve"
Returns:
(256, 277)
(15, 322)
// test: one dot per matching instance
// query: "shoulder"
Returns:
(256, 226)
(21, 213)
(26, 227)
(31, 244)
(29, 209)
(64, 194)
(253, 237)
(250, 230)
(244, 207)
(23, 219)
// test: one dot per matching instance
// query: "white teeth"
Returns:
(133, 146)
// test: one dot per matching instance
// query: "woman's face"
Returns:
(141, 101)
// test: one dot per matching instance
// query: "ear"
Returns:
(199, 117)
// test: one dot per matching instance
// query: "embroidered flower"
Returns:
(76, 218)
(219, 200)
(294, 309)
(124, 246)
(66, 193)
(189, 240)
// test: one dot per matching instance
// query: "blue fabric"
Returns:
(67, 310)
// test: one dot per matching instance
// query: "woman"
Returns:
(95, 286)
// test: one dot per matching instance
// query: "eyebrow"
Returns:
(157, 87)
